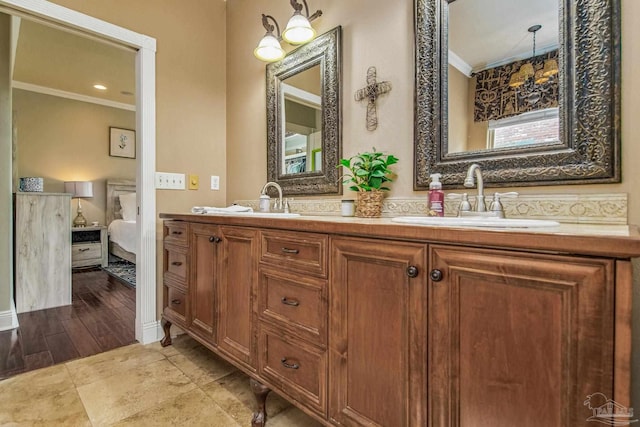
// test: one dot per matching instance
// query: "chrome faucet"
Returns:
(469, 182)
(265, 200)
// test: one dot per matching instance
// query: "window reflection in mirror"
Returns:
(487, 108)
(302, 122)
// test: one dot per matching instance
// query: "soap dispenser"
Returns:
(436, 195)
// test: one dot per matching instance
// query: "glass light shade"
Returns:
(269, 49)
(526, 70)
(516, 80)
(550, 67)
(299, 30)
(540, 77)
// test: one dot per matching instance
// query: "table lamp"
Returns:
(80, 190)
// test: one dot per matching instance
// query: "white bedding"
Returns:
(123, 233)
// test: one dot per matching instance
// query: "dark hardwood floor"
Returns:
(100, 318)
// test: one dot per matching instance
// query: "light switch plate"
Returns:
(170, 181)
(194, 182)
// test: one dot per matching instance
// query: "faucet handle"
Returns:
(465, 206)
(496, 205)
(286, 205)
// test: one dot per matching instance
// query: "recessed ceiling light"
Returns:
(100, 87)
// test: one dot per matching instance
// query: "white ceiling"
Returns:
(64, 61)
(487, 33)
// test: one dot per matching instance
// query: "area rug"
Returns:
(122, 270)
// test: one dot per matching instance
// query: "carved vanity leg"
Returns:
(166, 326)
(260, 392)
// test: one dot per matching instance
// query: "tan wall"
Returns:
(190, 87)
(380, 35)
(65, 140)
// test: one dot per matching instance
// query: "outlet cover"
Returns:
(215, 182)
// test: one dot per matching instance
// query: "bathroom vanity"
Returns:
(370, 322)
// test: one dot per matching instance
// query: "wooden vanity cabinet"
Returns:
(401, 331)
(517, 338)
(377, 334)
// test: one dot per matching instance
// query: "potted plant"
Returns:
(368, 174)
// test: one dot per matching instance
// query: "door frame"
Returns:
(147, 326)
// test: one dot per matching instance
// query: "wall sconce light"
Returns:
(297, 31)
(269, 48)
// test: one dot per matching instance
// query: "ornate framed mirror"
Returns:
(582, 99)
(304, 134)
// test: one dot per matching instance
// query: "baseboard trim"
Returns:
(9, 318)
(151, 332)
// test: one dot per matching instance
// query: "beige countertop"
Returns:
(616, 241)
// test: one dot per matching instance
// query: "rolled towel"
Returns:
(228, 209)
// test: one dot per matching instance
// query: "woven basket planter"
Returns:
(369, 204)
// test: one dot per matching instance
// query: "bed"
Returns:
(122, 231)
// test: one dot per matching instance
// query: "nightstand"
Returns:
(89, 246)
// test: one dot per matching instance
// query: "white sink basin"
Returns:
(475, 222)
(257, 214)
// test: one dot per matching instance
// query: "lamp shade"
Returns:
(269, 49)
(82, 189)
(299, 30)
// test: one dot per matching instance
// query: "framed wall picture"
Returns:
(122, 142)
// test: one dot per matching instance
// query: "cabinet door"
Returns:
(237, 294)
(517, 339)
(204, 245)
(377, 333)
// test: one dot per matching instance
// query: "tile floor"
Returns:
(180, 385)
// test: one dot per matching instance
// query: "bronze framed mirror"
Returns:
(585, 147)
(304, 132)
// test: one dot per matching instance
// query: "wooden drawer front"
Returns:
(175, 303)
(175, 264)
(295, 303)
(298, 368)
(301, 252)
(175, 232)
(86, 251)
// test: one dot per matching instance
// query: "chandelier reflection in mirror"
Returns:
(298, 31)
(527, 77)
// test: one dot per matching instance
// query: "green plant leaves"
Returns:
(369, 170)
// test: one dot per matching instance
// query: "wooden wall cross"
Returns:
(371, 92)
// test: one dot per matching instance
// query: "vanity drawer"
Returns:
(175, 232)
(175, 302)
(175, 264)
(295, 303)
(297, 368)
(84, 254)
(304, 253)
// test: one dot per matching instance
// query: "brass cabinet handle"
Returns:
(177, 263)
(176, 301)
(214, 239)
(412, 271)
(288, 366)
(436, 275)
(290, 251)
(291, 302)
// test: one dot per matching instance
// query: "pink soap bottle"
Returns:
(436, 195)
